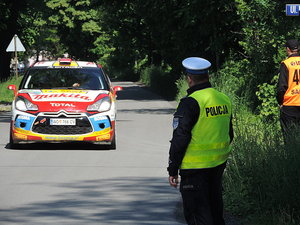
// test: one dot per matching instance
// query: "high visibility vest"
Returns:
(210, 141)
(292, 94)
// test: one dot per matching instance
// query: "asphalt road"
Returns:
(82, 184)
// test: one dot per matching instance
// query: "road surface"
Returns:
(77, 184)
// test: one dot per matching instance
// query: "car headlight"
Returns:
(23, 104)
(102, 105)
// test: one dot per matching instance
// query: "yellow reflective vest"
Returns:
(210, 141)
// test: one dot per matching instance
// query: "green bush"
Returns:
(6, 96)
(228, 80)
(160, 80)
(261, 181)
(120, 66)
(266, 93)
(262, 177)
(182, 86)
(233, 80)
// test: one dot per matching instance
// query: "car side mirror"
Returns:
(12, 87)
(117, 88)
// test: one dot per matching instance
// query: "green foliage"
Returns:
(233, 79)
(260, 180)
(244, 41)
(182, 86)
(138, 25)
(69, 13)
(37, 35)
(268, 108)
(264, 31)
(160, 80)
(103, 48)
(262, 177)
(76, 25)
(6, 96)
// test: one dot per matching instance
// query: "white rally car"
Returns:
(62, 101)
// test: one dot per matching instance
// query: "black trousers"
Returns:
(290, 122)
(201, 191)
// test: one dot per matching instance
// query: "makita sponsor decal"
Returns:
(61, 96)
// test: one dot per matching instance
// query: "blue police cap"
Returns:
(196, 65)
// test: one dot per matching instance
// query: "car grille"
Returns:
(42, 126)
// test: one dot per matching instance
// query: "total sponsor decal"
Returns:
(62, 104)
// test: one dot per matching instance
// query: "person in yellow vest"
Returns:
(202, 133)
(288, 89)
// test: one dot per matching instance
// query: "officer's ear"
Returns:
(189, 80)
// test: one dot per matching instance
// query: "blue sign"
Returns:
(292, 9)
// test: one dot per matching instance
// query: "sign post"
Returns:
(16, 46)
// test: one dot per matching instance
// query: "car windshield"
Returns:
(61, 78)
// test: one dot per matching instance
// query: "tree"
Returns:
(9, 15)
(165, 32)
(75, 25)
(265, 27)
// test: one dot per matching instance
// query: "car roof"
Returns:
(64, 63)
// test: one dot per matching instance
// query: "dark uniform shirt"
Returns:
(185, 117)
(282, 86)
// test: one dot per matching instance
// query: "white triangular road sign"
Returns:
(19, 46)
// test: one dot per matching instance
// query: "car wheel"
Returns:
(12, 144)
(113, 145)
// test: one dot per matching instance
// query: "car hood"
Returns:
(59, 95)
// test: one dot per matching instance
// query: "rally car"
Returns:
(64, 101)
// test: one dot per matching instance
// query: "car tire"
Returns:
(113, 145)
(12, 144)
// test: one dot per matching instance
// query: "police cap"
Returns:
(196, 65)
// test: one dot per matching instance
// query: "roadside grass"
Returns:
(262, 178)
(6, 96)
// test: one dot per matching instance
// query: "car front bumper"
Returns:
(30, 128)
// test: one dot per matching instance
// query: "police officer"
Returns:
(200, 146)
(288, 89)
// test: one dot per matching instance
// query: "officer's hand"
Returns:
(173, 180)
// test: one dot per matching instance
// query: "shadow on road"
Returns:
(149, 111)
(138, 93)
(131, 201)
(59, 146)
(141, 93)
(5, 117)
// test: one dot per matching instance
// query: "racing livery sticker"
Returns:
(65, 95)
